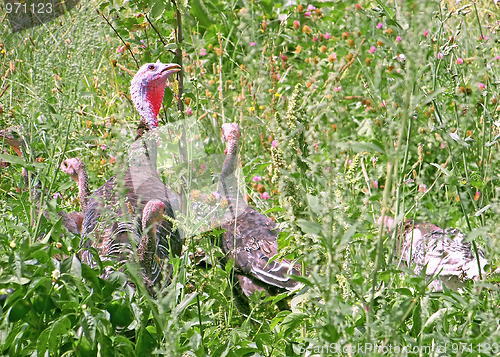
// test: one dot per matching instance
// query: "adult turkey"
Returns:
(443, 253)
(113, 210)
(250, 237)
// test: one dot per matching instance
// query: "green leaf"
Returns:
(72, 266)
(313, 203)
(291, 322)
(13, 159)
(145, 343)
(201, 14)
(157, 9)
(184, 303)
(417, 321)
(59, 329)
(309, 227)
(436, 317)
(89, 328)
(42, 341)
(330, 334)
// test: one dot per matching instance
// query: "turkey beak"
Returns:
(170, 69)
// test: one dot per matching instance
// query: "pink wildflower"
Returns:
(203, 52)
(496, 58)
(483, 38)
(422, 188)
(337, 88)
(274, 144)
(359, 7)
(315, 38)
(189, 111)
(57, 195)
(459, 61)
(296, 24)
(112, 159)
(328, 36)
(257, 178)
(307, 13)
(481, 86)
(252, 44)
(440, 55)
(398, 38)
(372, 49)
(120, 49)
(265, 196)
(426, 33)
(310, 7)
(104, 147)
(442, 145)
(379, 25)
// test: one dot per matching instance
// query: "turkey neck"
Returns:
(148, 243)
(83, 187)
(228, 184)
(147, 100)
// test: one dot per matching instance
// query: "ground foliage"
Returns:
(347, 111)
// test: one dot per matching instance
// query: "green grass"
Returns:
(400, 118)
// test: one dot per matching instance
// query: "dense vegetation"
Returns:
(348, 111)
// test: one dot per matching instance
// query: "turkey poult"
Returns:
(251, 238)
(443, 253)
(114, 209)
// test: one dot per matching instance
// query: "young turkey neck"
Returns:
(147, 247)
(75, 168)
(228, 185)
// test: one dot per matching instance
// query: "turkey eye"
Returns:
(151, 67)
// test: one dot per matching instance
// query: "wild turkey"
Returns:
(72, 221)
(106, 226)
(250, 237)
(442, 252)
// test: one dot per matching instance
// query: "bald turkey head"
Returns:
(147, 89)
(72, 167)
(231, 135)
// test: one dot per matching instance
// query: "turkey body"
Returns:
(250, 238)
(443, 253)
